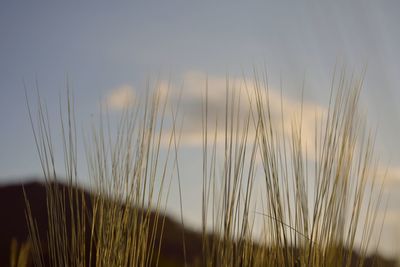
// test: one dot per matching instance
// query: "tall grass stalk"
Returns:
(230, 193)
(311, 216)
(121, 224)
(314, 212)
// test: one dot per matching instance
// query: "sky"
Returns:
(107, 52)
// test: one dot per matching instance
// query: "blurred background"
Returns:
(109, 52)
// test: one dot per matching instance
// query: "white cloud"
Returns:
(391, 174)
(193, 95)
(120, 97)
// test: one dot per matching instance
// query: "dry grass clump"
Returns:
(127, 171)
(226, 198)
(311, 215)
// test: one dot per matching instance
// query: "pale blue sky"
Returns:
(103, 46)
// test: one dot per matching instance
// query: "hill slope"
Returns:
(13, 226)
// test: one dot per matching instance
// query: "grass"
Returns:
(310, 215)
(99, 231)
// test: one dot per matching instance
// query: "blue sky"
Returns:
(103, 47)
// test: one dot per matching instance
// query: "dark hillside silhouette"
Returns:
(13, 226)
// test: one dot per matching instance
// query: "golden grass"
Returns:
(19, 254)
(101, 231)
(309, 218)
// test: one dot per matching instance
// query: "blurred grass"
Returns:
(308, 218)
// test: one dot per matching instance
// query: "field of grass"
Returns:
(310, 214)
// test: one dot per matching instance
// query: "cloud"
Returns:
(242, 93)
(189, 93)
(391, 174)
(120, 97)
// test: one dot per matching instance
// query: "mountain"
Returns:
(13, 226)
